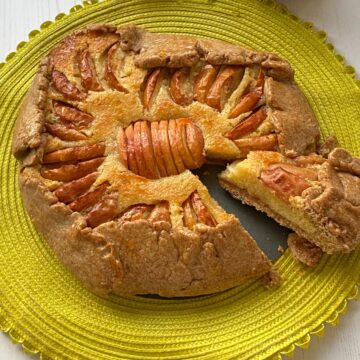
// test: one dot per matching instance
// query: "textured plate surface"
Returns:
(46, 309)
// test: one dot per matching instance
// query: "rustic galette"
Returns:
(106, 137)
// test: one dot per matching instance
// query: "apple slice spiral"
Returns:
(163, 148)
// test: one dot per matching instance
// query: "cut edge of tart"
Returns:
(316, 197)
(107, 133)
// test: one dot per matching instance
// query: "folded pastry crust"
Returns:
(106, 134)
(326, 211)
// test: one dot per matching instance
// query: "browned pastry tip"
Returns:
(71, 190)
(248, 125)
(65, 87)
(75, 153)
(87, 72)
(109, 74)
(71, 171)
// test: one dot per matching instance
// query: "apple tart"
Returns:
(106, 137)
(317, 196)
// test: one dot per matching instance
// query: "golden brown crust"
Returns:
(304, 251)
(289, 109)
(113, 257)
(335, 204)
(31, 117)
(141, 258)
(156, 50)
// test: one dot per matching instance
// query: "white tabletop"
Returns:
(341, 21)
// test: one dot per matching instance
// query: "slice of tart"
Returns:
(316, 196)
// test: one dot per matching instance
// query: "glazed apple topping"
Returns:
(164, 148)
(195, 211)
(76, 168)
(287, 180)
(65, 87)
(89, 199)
(74, 153)
(152, 86)
(249, 101)
(68, 122)
(203, 82)
(266, 142)
(63, 132)
(87, 72)
(70, 172)
(180, 89)
(248, 125)
(73, 189)
(225, 83)
(70, 116)
(109, 73)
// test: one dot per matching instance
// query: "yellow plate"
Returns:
(46, 309)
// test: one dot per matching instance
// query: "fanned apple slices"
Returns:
(161, 148)
(317, 197)
(237, 90)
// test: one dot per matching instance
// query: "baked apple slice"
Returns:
(225, 83)
(89, 199)
(71, 190)
(104, 211)
(88, 73)
(63, 132)
(65, 87)
(75, 153)
(155, 137)
(109, 73)
(152, 87)
(180, 87)
(70, 172)
(248, 125)
(249, 100)
(203, 82)
(71, 116)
